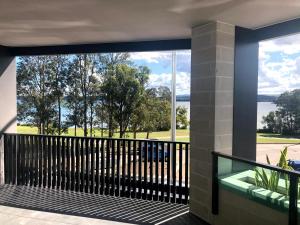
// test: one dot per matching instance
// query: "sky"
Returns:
(279, 65)
(160, 64)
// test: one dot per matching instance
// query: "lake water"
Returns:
(263, 108)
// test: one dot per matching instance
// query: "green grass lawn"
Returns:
(181, 135)
(276, 139)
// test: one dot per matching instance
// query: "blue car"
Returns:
(160, 152)
(295, 164)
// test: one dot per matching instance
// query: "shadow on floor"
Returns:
(112, 208)
(185, 219)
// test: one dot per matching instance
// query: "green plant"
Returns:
(270, 180)
(265, 180)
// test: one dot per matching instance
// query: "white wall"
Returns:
(8, 97)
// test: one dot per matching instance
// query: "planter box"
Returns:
(243, 183)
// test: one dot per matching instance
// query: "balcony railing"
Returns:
(268, 185)
(147, 169)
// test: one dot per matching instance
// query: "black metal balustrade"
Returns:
(147, 169)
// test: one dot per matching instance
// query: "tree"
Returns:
(124, 96)
(60, 69)
(285, 120)
(272, 123)
(106, 89)
(73, 98)
(181, 118)
(163, 105)
(164, 93)
(153, 114)
(108, 64)
(288, 105)
(36, 104)
(139, 113)
(101, 115)
(151, 119)
(83, 71)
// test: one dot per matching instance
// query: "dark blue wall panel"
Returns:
(161, 45)
(245, 93)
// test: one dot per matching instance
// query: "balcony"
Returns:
(122, 180)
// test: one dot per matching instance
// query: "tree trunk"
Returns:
(85, 117)
(85, 100)
(75, 131)
(110, 132)
(39, 128)
(59, 115)
(121, 130)
(91, 121)
(43, 128)
(58, 97)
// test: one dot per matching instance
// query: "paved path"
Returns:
(273, 151)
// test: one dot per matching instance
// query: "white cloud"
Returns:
(287, 45)
(183, 58)
(165, 58)
(164, 79)
(151, 57)
(278, 77)
(279, 66)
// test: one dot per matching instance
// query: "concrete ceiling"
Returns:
(56, 22)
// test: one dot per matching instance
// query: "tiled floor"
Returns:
(39, 206)
(17, 216)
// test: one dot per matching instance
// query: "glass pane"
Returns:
(265, 186)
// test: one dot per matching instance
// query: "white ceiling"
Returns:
(53, 22)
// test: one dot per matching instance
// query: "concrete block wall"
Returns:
(237, 210)
(212, 73)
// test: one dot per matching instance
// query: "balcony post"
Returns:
(293, 200)
(212, 78)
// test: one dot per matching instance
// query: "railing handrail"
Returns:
(99, 138)
(254, 163)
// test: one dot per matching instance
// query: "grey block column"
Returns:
(212, 78)
(8, 100)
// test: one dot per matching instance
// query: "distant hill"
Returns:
(266, 98)
(183, 98)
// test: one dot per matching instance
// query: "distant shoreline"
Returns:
(187, 98)
(260, 98)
